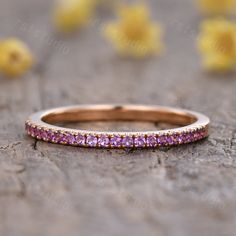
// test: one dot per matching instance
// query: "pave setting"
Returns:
(132, 140)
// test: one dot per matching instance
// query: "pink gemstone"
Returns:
(71, 139)
(169, 140)
(44, 135)
(92, 140)
(197, 135)
(32, 131)
(127, 141)
(189, 137)
(179, 138)
(37, 133)
(116, 141)
(162, 140)
(50, 135)
(139, 141)
(184, 136)
(80, 139)
(55, 137)
(151, 141)
(192, 136)
(63, 138)
(103, 141)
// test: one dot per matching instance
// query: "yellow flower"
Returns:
(217, 7)
(134, 34)
(69, 15)
(15, 57)
(217, 42)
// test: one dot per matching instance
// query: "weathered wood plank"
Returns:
(49, 189)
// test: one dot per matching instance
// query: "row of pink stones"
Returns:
(116, 141)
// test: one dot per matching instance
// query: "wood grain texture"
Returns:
(50, 189)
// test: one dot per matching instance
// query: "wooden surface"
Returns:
(50, 189)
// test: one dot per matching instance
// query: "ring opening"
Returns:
(119, 113)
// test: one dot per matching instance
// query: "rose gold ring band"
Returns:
(193, 126)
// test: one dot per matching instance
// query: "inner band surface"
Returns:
(119, 113)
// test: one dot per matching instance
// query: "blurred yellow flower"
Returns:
(217, 42)
(15, 57)
(134, 34)
(217, 7)
(69, 15)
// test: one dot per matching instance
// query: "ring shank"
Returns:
(43, 125)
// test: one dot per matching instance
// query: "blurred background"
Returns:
(89, 61)
(162, 52)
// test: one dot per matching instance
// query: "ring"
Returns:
(192, 126)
